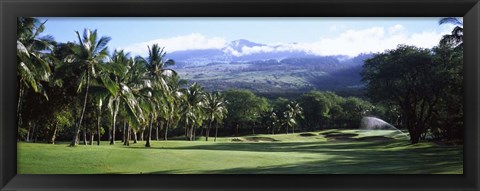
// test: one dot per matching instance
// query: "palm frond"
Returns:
(452, 20)
(110, 85)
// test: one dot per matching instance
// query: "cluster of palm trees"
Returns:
(140, 93)
(291, 115)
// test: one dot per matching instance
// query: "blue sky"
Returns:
(323, 36)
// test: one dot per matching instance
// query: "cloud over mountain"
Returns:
(348, 42)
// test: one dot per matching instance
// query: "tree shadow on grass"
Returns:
(306, 147)
(394, 157)
(354, 163)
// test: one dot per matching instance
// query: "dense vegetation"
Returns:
(78, 91)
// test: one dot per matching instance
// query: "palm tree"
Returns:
(89, 53)
(32, 59)
(157, 72)
(100, 96)
(193, 97)
(273, 119)
(215, 110)
(126, 83)
(173, 101)
(454, 39)
(293, 112)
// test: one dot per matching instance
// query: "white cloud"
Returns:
(350, 42)
(354, 42)
(186, 42)
(375, 39)
(395, 28)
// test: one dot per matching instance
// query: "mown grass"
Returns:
(288, 154)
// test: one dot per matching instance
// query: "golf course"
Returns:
(87, 105)
(321, 152)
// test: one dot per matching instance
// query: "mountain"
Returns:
(236, 51)
(270, 70)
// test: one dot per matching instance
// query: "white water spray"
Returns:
(373, 123)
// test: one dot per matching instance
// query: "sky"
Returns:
(317, 35)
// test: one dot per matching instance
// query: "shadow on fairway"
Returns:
(360, 162)
(393, 157)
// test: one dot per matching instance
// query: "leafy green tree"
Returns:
(447, 120)
(354, 110)
(316, 109)
(243, 107)
(406, 77)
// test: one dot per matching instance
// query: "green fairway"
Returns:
(325, 152)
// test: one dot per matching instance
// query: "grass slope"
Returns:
(298, 153)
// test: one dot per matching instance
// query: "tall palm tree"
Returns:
(454, 39)
(215, 110)
(89, 53)
(32, 58)
(156, 73)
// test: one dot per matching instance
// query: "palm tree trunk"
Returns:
(112, 140)
(216, 132)
(166, 131)
(117, 105)
(127, 134)
(187, 132)
(28, 133)
(124, 131)
(253, 128)
(98, 129)
(190, 133)
(208, 130)
(201, 131)
(84, 131)
(34, 134)
(194, 132)
(157, 137)
(53, 134)
(79, 123)
(19, 105)
(135, 139)
(149, 132)
(33, 130)
(109, 134)
(287, 128)
(92, 136)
